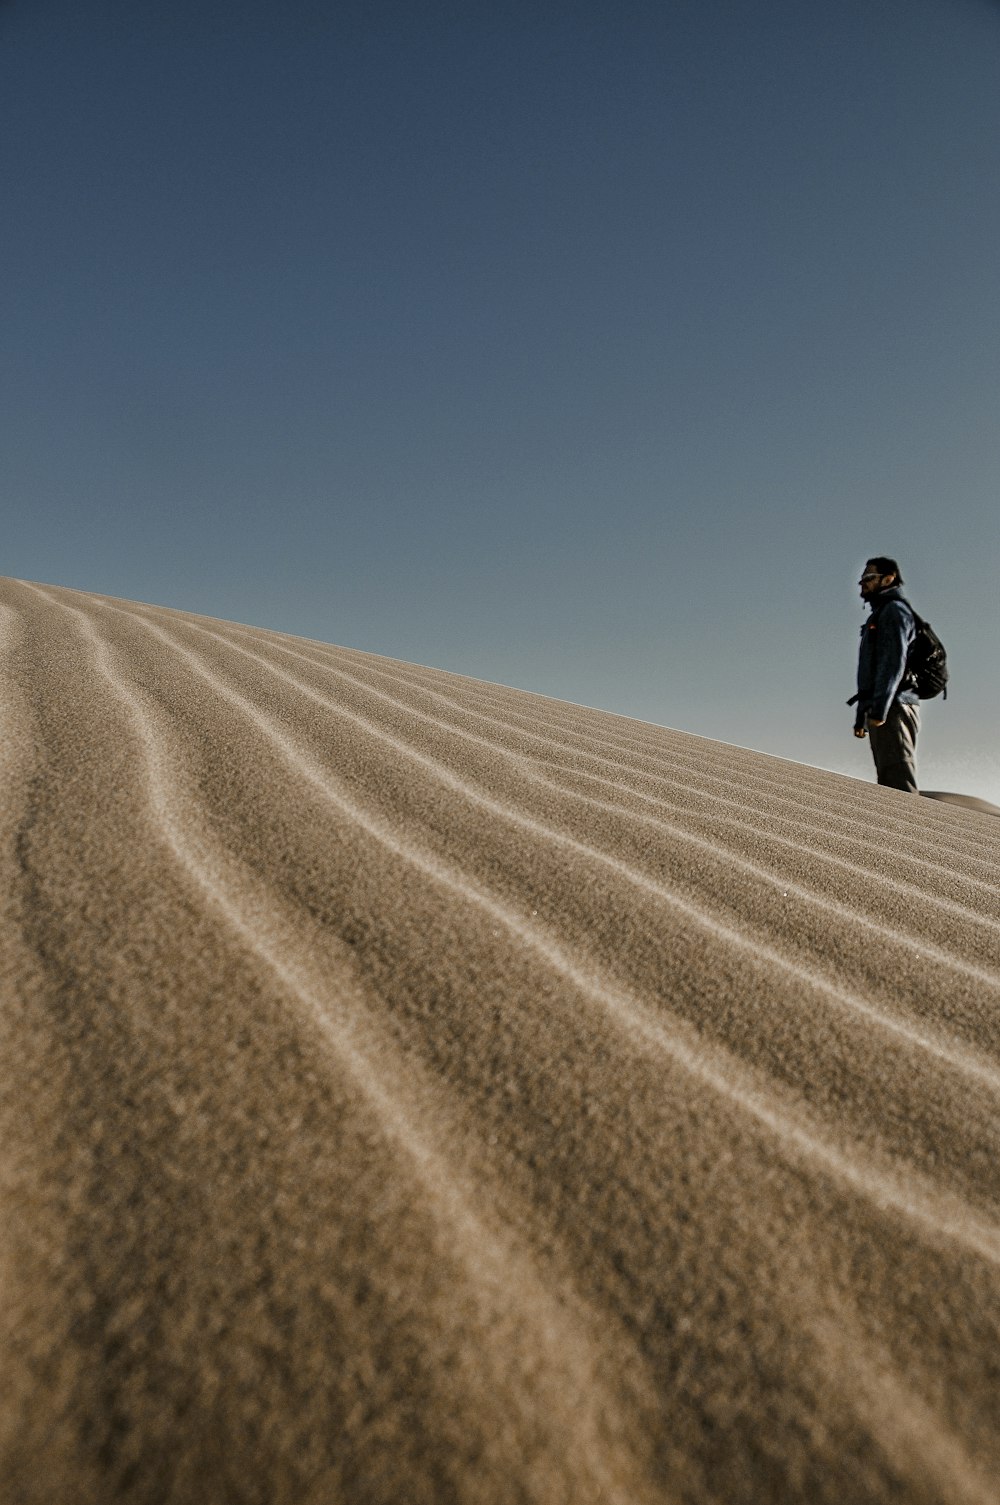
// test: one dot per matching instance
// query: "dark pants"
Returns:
(894, 747)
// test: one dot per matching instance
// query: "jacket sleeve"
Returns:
(896, 631)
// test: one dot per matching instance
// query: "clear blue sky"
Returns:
(588, 347)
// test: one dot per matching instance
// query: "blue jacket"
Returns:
(885, 642)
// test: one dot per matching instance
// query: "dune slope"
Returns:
(417, 1090)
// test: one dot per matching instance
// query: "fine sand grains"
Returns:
(417, 1090)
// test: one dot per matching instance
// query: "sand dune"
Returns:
(418, 1091)
(969, 801)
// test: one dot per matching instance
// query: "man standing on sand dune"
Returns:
(887, 704)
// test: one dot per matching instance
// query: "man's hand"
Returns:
(859, 731)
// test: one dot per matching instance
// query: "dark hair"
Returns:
(886, 566)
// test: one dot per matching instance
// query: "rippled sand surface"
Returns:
(417, 1091)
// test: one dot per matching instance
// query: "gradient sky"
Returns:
(586, 347)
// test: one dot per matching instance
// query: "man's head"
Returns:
(878, 575)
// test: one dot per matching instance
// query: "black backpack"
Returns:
(926, 662)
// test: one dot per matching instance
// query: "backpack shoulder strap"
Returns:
(918, 620)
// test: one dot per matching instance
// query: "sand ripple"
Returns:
(419, 1090)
